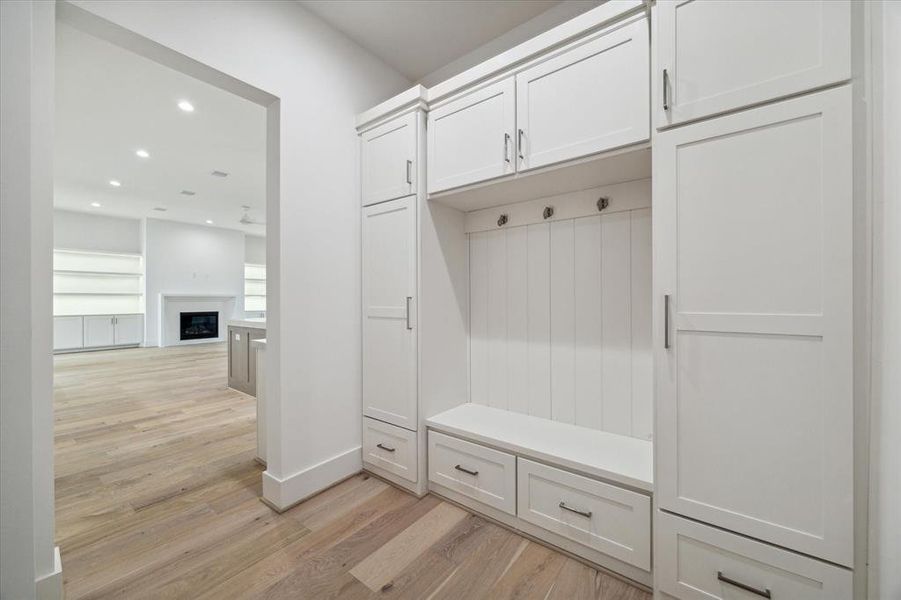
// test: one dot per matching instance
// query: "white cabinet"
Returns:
(470, 139)
(68, 333)
(754, 357)
(388, 160)
(129, 329)
(717, 56)
(113, 330)
(592, 98)
(393, 449)
(697, 562)
(389, 319)
(99, 331)
(476, 471)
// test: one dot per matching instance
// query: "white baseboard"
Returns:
(50, 586)
(282, 494)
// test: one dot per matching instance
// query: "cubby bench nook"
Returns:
(584, 490)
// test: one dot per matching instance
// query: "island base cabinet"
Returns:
(242, 358)
(696, 562)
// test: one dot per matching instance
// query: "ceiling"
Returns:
(417, 37)
(111, 102)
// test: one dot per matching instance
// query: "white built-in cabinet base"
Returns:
(392, 453)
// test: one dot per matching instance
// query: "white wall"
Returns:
(885, 455)
(26, 408)
(255, 249)
(180, 258)
(85, 231)
(322, 80)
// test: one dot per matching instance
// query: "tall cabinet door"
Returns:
(718, 56)
(592, 98)
(471, 138)
(388, 160)
(389, 319)
(752, 235)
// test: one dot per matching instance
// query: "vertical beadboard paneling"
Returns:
(642, 356)
(497, 318)
(517, 320)
(587, 309)
(539, 305)
(616, 353)
(563, 322)
(478, 318)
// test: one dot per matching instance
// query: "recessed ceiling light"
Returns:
(160, 208)
(219, 174)
(187, 193)
(115, 182)
(142, 153)
(96, 204)
(209, 222)
(186, 106)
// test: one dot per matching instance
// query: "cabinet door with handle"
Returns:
(719, 56)
(389, 319)
(99, 331)
(471, 138)
(388, 160)
(752, 242)
(129, 329)
(592, 98)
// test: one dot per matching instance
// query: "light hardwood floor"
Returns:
(157, 496)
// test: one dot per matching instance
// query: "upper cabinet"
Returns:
(714, 57)
(592, 98)
(471, 138)
(586, 98)
(388, 160)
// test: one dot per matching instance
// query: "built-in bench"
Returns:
(618, 458)
(584, 490)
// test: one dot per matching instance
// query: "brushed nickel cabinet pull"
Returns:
(666, 321)
(584, 513)
(665, 94)
(409, 171)
(763, 593)
(519, 135)
(409, 299)
(465, 470)
(385, 448)
(506, 147)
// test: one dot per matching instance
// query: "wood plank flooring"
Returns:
(157, 496)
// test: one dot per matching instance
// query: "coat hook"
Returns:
(548, 212)
(502, 220)
(603, 202)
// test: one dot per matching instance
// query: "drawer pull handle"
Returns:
(387, 448)
(764, 593)
(465, 470)
(584, 513)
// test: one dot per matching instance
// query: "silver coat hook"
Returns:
(502, 220)
(603, 202)
(548, 212)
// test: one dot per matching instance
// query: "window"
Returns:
(97, 283)
(254, 288)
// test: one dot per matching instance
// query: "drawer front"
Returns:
(696, 562)
(604, 517)
(390, 448)
(480, 473)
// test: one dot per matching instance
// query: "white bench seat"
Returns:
(617, 458)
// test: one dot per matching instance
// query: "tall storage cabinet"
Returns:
(389, 292)
(392, 141)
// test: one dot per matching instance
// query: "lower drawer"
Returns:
(604, 517)
(694, 561)
(481, 473)
(390, 448)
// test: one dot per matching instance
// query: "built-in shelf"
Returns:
(93, 273)
(98, 294)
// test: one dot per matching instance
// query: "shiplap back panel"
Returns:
(561, 321)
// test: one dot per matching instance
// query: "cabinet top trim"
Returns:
(419, 97)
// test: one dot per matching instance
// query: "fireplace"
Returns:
(199, 325)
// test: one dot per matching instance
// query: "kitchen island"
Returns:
(242, 363)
